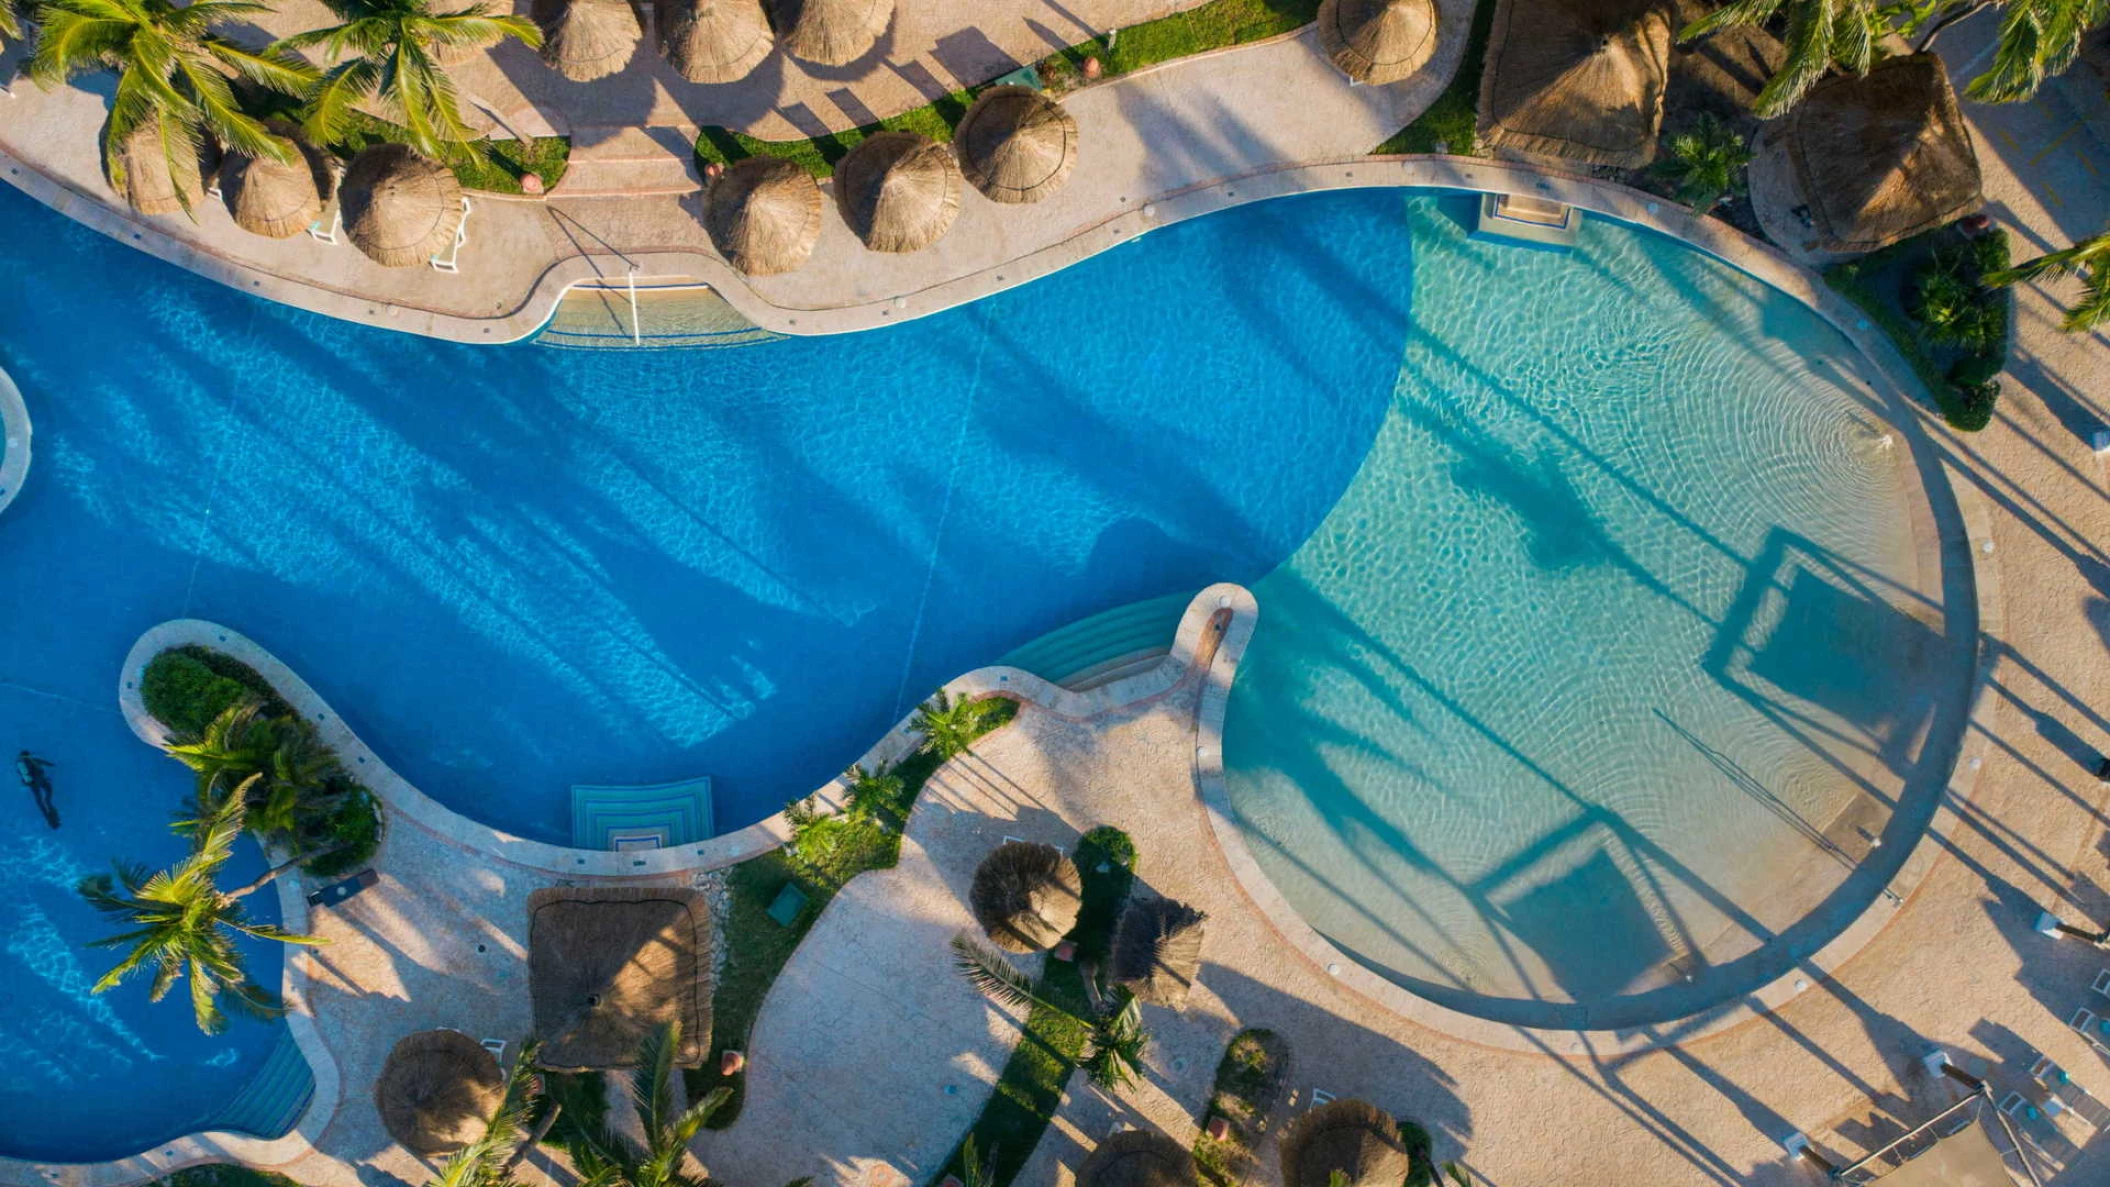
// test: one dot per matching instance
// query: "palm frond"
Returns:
(991, 972)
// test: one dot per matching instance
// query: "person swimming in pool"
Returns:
(33, 772)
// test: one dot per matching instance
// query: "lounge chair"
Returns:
(2101, 984)
(450, 259)
(2088, 1026)
(2077, 1099)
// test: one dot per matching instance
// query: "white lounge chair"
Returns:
(450, 259)
(2085, 1024)
(496, 1047)
(2101, 984)
(326, 228)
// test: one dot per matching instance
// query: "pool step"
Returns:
(270, 1105)
(654, 817)
(1106, 646)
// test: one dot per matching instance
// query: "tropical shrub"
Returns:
(184, 693)
(950, 726)
(1705, 164)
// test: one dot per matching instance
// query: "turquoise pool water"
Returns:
(1585, 702)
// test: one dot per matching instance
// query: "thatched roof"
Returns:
(832, 32)
(763, 215)
(1158, 950)
(1139, 1158)
(1026, 896)
(1880, 158)
(1577, 79)
(1016, 144)
(1352, 1137)
(608, 966)
(1378, 41)
(713, 40)
(438, 1091)
(149, 185)
(399, 208)
(587, 39)
(275, 199)
(898, 191)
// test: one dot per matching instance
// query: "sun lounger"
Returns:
(337, 892)
(496, 1047)
(450, 259)
(2077, 1099)
(2101, 984)
(2085, 1023)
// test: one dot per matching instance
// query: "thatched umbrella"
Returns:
(1139, 1158)
(898, 191)
(763, 214)
(1016, 144)
(1158, 950)
(1875, 159)
(438, 1091)
(1026, 896)
(713, 40)
(587, 39)
(151, 183)
(832, 32)
(1350, 1137)
(272, 198)
(399, 207)
(610, 966)
(1577, 79)
(1378, 41)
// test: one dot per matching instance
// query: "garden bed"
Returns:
(1249, 1081)
(1888, 286)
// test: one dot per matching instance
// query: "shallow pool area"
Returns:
(1621, 677)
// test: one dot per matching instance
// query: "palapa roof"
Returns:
(1158, 950)
(1378, 41)
(1016, 144)
(587, 39)
(609, 966)
(1352, 1137)
(763, 215)
(833, 32)
(1577, 79)
(1139, 1158)
(438, 1091)
(898, 191)
(1880, 158)
(148, 183)
(714, 40)
(273, 198)
(399, 207)
(1026, 896)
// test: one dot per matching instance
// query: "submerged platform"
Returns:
(1528, 220)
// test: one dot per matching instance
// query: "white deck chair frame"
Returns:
(2083, 1024)
(450, 260)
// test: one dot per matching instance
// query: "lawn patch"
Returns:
(1451, 123)
(1249, 1081)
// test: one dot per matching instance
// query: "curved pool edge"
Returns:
(16, 431)
(1969, 541)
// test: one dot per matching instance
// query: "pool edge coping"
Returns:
(19, 435)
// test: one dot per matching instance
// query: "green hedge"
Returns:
(1880, 284)
(184, 693)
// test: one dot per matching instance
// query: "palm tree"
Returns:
(1112, 1055)
(949, 727)
(2038, 39)
(609, 1159)
(2090, 260)
(489, 1160)
(876, 795)
(394, 51)
(1706, 163)
(174, 74)
(1821, 35)
(241, 742)
(11, 21)
(181, 922)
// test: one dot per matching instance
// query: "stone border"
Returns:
(1973, 548)
(15, 427)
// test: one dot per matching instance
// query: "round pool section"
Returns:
(1619, 678)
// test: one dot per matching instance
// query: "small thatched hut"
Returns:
(438, 1091)
(273, 198)
(1873, 160)
(1378, 41)
(1581, 80)
(713, 40)
(898, 191)
(1158, 951)
(587, 39)
(1016, 144)
(1026, 896)
(763, 215)
(610, 966)
(1348, 1137)
(1139, 1158)
(832, 32)
(143, 174)
(399, 208)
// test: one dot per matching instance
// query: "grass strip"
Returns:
(830, 852)
(1452, 121)
(504, 163)
(1052, 1042)
(224, 1174)
(1248, 1082)
(1214, 25)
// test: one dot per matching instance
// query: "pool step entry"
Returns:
(670, 311)
(1528, 220)
(630, 818)
(270, 1105)
(1106, 646)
